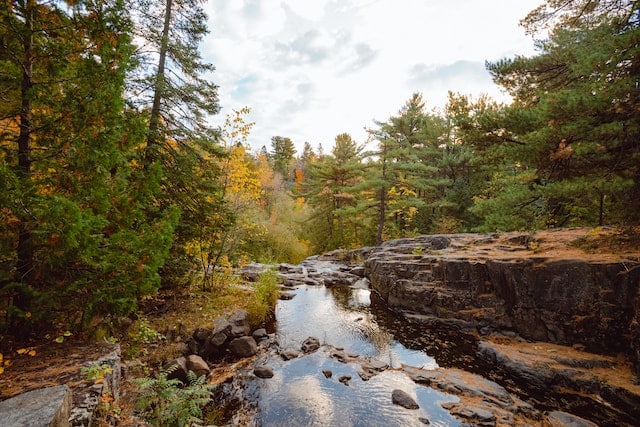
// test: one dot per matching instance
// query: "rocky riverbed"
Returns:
(492, 329)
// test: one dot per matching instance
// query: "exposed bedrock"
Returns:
(538, 286)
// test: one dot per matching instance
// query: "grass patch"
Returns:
(264, 298)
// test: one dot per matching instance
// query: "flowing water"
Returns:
(300, 394)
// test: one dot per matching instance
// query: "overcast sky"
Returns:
(312, 69)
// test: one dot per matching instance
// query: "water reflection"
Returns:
(299, 393)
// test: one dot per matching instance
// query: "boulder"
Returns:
(201, 334)
(402, 398)
(260, 334)
(310, 345)
(240, 324)
(45, 407)
(243, 347)
(221, 325)
(180, 370)
(289, 354)
(263, 371)
(197, 365)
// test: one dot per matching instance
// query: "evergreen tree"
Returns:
(579, 158)
(171, 85)
(281, 156)
(81, 246)
(332, 190)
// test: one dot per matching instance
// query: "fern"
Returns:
(168, 402)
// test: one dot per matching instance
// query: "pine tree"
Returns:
(81, 249)
(579, 157)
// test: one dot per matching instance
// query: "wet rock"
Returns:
(286, 296)
(344, 379)
(310, 345)
(471, 414)
(240, 324)
(263, 371)
(252, 272)
(243, 347)
(342, 356)
(290, 354)
(291, 269)
(424, 420)
(563, 419)
(197, 365)
(327, 373)
(402, 398)
(49, 406)
(260, 334)
(358, 271)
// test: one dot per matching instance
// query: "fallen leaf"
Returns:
(1, 370)
(22, 350)
(67, 334)
(32, 353)
(59, 339)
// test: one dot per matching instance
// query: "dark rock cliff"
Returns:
(540, 286)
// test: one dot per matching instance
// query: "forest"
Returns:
(115, 185)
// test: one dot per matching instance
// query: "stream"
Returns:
(300, 394)
(363, 355)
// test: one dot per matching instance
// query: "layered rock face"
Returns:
(540, 286)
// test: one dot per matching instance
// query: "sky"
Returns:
(312, 69)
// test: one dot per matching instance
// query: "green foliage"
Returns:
(139, 336)
(264, 298)
(96, 372)
(167, 402)
(281, 155)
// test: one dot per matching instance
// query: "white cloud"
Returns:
(313, 70)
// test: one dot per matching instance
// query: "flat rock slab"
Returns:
(45, 407)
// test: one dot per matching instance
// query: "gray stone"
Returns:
(45, 407)
(197, 365)
(218, 339)
(240, 324)
(310, 345)
(563, 419)
(221, 325)
(243, 347)
(286, 296)
(180, 371)
(327, 373)
(260, 334)
(263, 371)
(402, 398)
(201, 334)
(290, 354)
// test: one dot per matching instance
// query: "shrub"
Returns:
(264, 297)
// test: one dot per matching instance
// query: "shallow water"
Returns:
(299, 394)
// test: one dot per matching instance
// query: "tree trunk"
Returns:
(24, 251)
(382, 213)
(153, 136)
